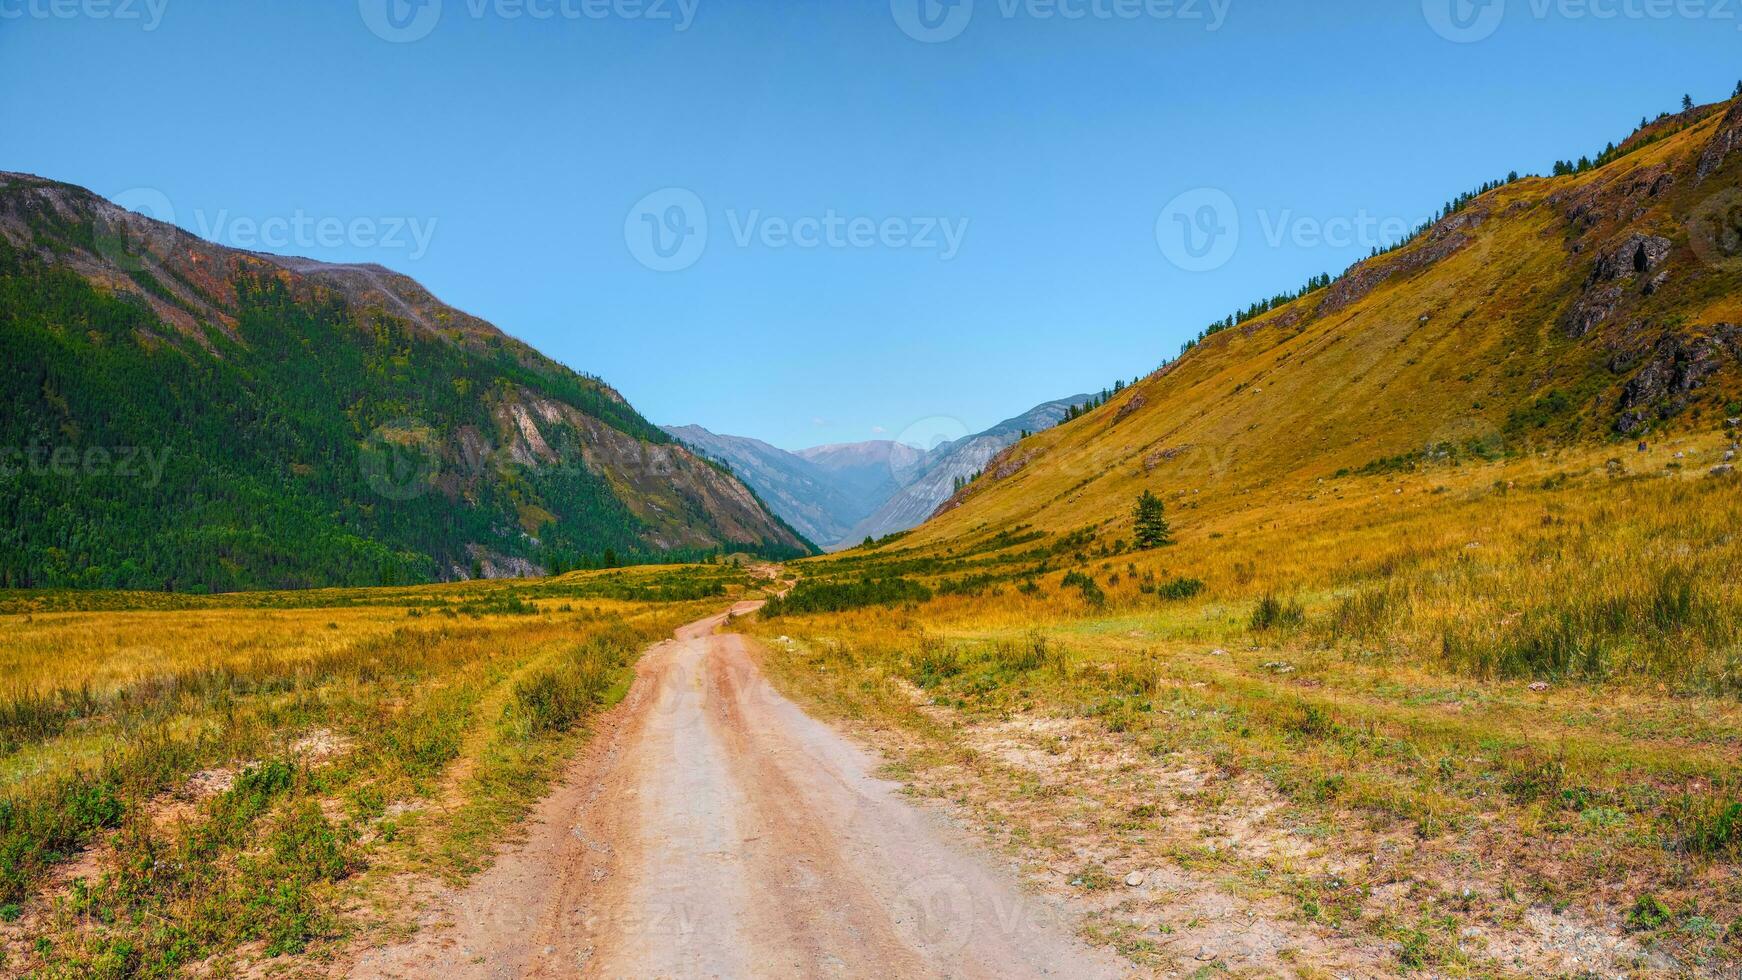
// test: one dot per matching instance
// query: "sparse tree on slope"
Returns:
(1152, 527)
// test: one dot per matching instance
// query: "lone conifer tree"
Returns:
(1152, 528)
(1687, 102)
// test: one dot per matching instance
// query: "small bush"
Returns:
(1276, 614)
(824, 597)
(1704, 825)
(1180, 588)
(1649, 912)
(934, 664)
(1092, 593)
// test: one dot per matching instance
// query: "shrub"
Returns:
(1180, 588)
(824, 597)
(1649, 912)
(1276, 614)
(1086, 584)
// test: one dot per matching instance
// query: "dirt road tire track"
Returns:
(711, 828)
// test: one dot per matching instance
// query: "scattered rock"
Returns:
(1134, 879)
(1132, 404)
(1539, 686)
(1724, 470)
(1279, 667)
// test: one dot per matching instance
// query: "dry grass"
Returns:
(1383, 767)
(207, 782)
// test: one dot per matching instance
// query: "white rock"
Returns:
(1134, 879)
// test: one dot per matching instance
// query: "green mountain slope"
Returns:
(176, 414)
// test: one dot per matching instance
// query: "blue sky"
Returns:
(982, 208)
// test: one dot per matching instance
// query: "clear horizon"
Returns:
(832, 225)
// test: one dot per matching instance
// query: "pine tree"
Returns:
(1687, 102)
(1152, 527)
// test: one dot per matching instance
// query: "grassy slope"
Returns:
(1297, 394)
(1331, 737)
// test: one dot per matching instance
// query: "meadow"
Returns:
(1475, 718)
(202, 782)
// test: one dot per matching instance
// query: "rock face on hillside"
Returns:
(1637, 255)
(318, 423)
(1679, 366)
(1723, 142)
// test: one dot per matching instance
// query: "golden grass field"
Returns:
(199, 783)
(1368, 761)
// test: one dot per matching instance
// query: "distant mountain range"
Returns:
(838, 495)
(177, 414)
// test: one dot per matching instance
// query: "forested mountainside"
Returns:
(181, 415)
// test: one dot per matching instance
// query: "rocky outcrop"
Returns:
(1590, 310)
(1636, 255)
(1132, 404)
(1441, 241)
(1726, 139)
(1678, 366)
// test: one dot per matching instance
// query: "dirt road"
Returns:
(714, 829)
